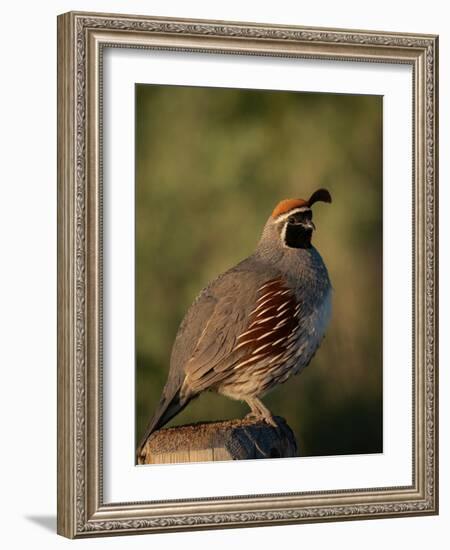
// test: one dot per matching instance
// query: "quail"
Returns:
(256, 324)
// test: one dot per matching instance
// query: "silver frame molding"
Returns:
(81, 38)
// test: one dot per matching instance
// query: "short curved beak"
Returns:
(309, 225)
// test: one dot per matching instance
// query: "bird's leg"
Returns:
(254, 411)
(265, 413)
(259, 410)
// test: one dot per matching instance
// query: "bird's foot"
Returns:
(268, 419)
(271, 421)
(260, 412)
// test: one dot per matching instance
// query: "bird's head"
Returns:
(291, 220)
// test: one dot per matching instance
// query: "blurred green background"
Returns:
(211, 164)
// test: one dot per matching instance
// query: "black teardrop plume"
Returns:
(320, 195)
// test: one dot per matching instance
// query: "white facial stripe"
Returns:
(285, 216)
(283, 235)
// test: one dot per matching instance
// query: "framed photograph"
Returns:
(238, 202)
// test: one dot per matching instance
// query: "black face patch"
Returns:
(299, 230)
(302, 217)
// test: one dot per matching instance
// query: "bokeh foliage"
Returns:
(210, 166)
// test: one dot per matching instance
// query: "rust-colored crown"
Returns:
(290, 204)
(287, 205)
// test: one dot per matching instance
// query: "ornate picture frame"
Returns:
(82, 38)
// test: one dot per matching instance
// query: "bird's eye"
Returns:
(291, 219)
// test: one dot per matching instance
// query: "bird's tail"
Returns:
(170, 405)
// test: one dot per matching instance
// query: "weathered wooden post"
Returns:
(224, 440)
